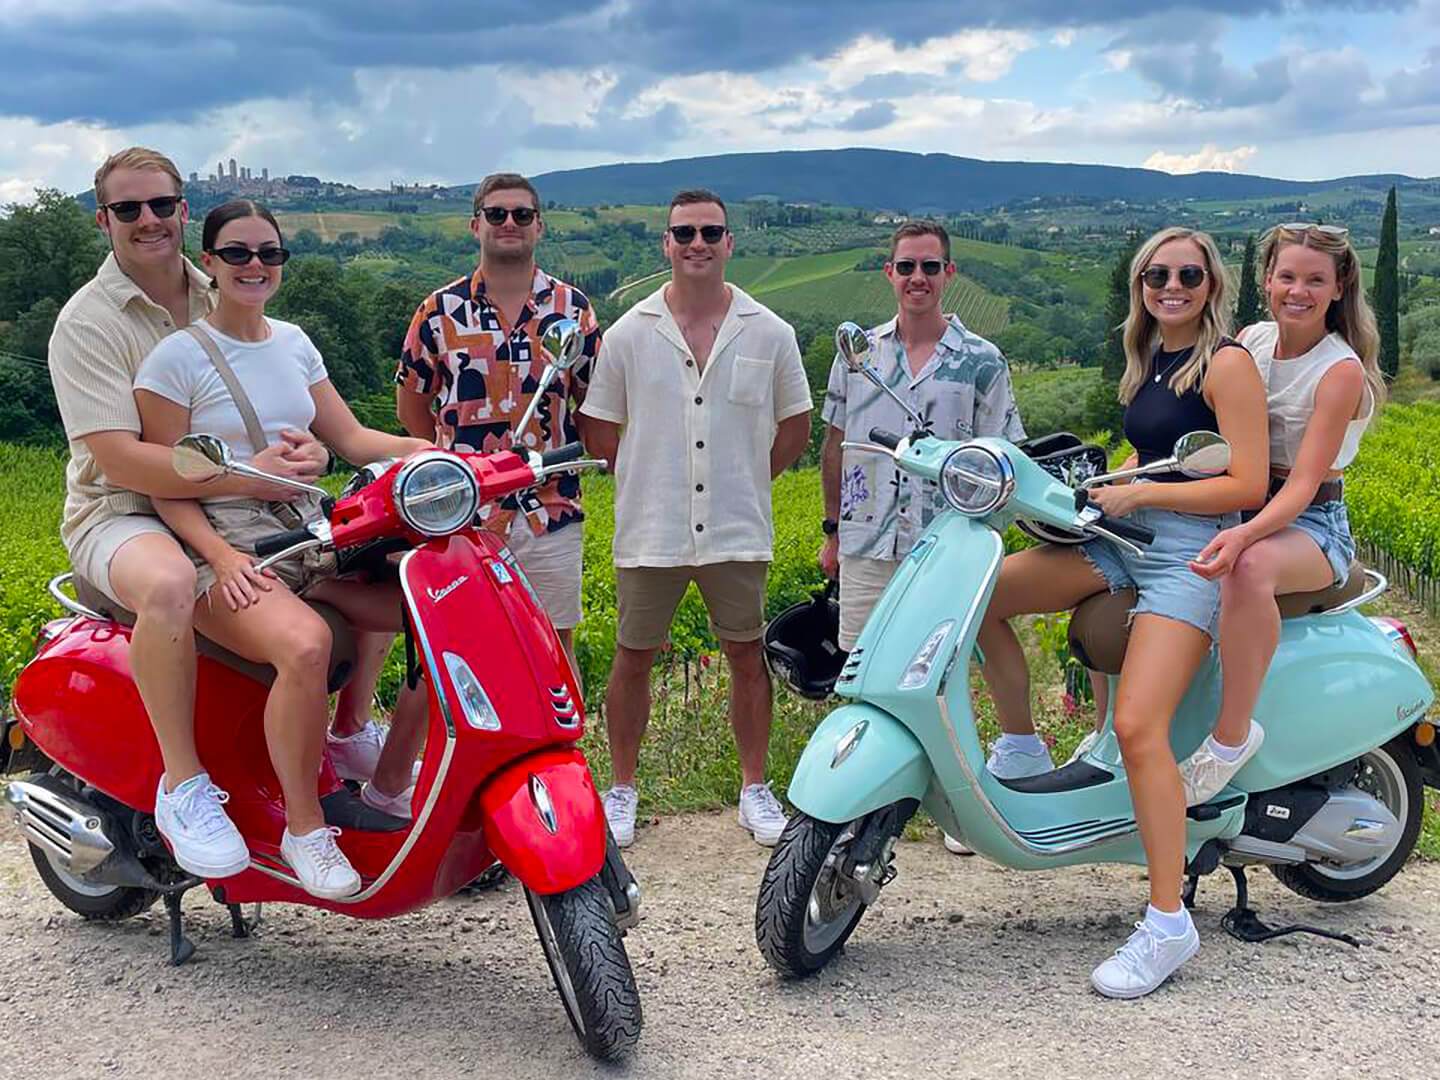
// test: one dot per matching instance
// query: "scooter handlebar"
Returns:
(278, 542)
(887, 439)
(562, 455)
(1139, 534)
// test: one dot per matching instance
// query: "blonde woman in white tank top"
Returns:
(1319, 356)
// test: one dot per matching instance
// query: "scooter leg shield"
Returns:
(859, 759)
(544, 821)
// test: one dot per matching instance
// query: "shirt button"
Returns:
(689, 363)
(699, 487)
(699, 528)
(699, 400)
(699, 444)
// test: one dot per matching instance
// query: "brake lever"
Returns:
(1100, 530)
(292, 550)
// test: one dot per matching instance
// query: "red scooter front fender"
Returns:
(544, 821)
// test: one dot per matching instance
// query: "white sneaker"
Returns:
(394, 805)
(955, 846)
(620, 803)
(318, 862)
(762, 814)
(1083, 747)
(355, 756)
(1008, 763)
(1205, 773)
(1145, 961)
(202, 837)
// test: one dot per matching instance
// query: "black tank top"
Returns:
(1157, 416)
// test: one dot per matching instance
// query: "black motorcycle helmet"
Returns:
(802, 645)
(1071, 461)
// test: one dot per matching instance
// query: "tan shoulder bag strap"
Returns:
(237, 392)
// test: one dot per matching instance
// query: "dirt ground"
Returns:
(962, 969)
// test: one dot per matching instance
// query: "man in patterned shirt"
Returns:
(960, 384)
(471, 363)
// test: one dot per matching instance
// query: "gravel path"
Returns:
(963, 969)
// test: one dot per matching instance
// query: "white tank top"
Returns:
(1290, 387)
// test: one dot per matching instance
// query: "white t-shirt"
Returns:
(277, 374)
(692, 483)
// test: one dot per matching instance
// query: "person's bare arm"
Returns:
(602, 439)
(414, 413)
(792, 435)
(831, 456)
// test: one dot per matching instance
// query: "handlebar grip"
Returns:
(560, 455)
(1139, 534)
(887, 439)
(278, 542)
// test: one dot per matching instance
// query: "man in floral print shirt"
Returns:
(471, 363)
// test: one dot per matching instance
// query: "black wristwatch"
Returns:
(829, 526)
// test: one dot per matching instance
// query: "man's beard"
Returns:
(513, 257)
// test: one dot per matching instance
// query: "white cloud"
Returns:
(1063, 38)
(1209, 158)
(981, 55)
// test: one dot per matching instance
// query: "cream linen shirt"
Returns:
(692, 483)
(101, 336)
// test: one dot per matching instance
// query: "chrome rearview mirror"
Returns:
(1202, 453)
(201, 458)
(563, 343)
(853, 346)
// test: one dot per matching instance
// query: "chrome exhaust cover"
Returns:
(63, 826)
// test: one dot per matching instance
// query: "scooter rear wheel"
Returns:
(102, 903)
(1391, 774)
(590, 967)
(806, 910)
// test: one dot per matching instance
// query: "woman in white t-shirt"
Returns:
(1320, 361)
(260, 615)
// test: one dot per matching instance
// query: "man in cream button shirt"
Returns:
(699, 400)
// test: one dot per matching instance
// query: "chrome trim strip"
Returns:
(66, 602)
(1381, 584)
(422, 818)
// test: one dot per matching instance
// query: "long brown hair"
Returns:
(1350, 316)
(1142, 331)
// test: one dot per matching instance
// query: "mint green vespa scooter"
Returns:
(1332, 803)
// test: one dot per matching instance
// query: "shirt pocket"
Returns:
(751, 381)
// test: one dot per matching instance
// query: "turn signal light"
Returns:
(1424, 733)
(16, 736)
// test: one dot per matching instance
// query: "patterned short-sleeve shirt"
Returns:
(963, 392)
(481, 372)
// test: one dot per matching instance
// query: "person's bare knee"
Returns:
(633, 663)
(157, 584)
(745, 658)
(303, 646)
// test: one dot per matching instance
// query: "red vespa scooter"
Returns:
(502, 778)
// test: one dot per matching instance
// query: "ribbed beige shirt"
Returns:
(101, 335)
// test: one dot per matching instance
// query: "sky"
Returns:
(371, 92)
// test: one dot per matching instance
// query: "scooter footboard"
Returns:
(544, 821)
(859, 759)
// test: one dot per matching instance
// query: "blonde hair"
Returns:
(1142, 332)
(135, 157)
(1350, 316)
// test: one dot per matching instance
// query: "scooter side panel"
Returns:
(544, 822)
(859, 759)
(1336, 689)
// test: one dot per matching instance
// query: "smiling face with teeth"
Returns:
(147, 242)
(917, 293)
(1300, 286)
(1174, 306)
(254, 283)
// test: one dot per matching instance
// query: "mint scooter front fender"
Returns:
(858, 760)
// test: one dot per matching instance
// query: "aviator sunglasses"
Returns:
(685, 234)
(128, 210)
(239, 255)
(496, 215)
(906, 267)
(1158, 276)
(1339, 232)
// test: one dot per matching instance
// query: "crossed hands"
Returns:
(297, 456)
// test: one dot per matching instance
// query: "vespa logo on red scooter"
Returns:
(436, 595)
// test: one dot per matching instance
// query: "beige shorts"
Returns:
(90, 558)
(243, 522)
(647, 596)
(552, 562)
(861, 583)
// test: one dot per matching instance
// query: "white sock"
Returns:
(1230, 753)
(1169, 923)
(1025, 744)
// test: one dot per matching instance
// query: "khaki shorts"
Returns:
(242, 522)
(861, 583)
(91, 557)
(552, 562)
(647, 596)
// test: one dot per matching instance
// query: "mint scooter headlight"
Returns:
(436, 494)
(977, 481)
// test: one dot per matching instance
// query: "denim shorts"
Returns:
(1162, 577)
(1329, 526)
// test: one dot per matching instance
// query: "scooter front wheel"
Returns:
(590, 967)
(807, 909)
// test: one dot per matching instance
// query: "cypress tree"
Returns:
(1248, 306)
(1103, 410)
(1387, 289)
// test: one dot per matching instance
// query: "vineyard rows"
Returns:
(1392, 494)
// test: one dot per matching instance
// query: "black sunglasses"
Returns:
(685, 234)
(906, 267)
(239, 255)
(128, 210)
(496, 215)
(1158, 276)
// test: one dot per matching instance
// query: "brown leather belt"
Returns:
(1328, 491)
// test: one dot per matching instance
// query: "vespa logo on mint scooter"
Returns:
(436, 595)
(1405, 712)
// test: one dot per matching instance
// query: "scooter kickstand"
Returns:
(1187, 895)
(181, 947)
(1241, 923)
(240, 927)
